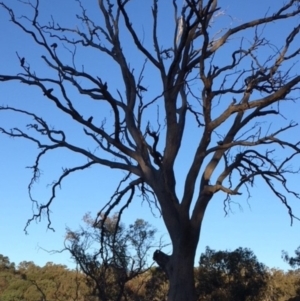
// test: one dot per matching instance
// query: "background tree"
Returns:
(155, 286)
(29, 282)
(111, 255)
(10, 280)
(209, 80)
(7, 270)
(221, 276)
(225, 275)
(281, 286)
(294, 262)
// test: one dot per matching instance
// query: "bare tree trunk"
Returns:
(179, 267)
(181, 278)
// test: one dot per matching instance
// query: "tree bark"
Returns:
(179, 267)
(181, 278)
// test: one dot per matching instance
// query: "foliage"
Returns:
(111, 255)
(236, 275)
(7, 272)
(29, 282)
(294, 262)
(221, 275)
(156, 287)
(282, 286)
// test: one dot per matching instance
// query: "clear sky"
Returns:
(261, 223)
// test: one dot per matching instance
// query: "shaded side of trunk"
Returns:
(179, 267)
(181, 278)
(184, 229)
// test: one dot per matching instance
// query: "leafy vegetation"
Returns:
(33, 283)
(236, 275)
(111, 255)
(224, 275)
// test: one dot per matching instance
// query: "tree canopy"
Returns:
(111, 255)
(235, 275)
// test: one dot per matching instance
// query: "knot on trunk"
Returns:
(162, 259)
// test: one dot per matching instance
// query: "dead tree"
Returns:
(222, 94)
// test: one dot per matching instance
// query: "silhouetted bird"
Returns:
(49, 91)
(54, 45)
(90, 119)
(142, 88)
(22, 61)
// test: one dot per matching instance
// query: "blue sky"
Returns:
(261, 224)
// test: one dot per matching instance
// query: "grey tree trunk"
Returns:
(181, 278)
(179, 267)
